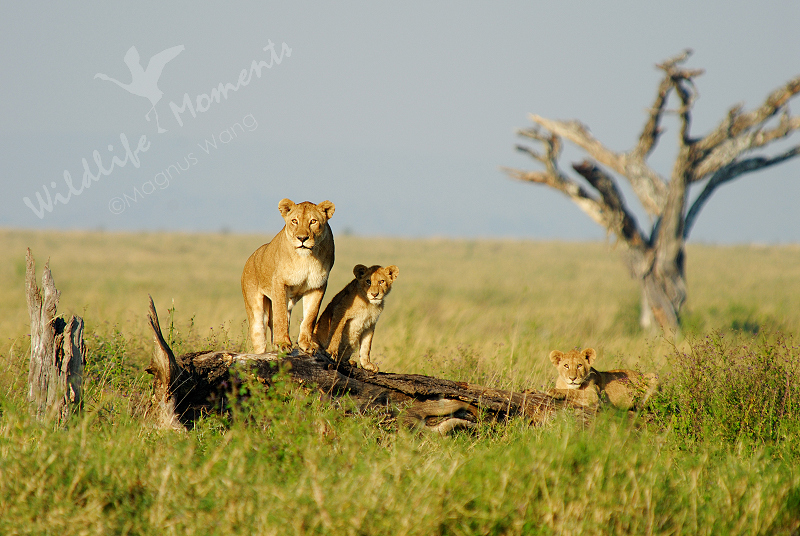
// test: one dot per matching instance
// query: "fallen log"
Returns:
(197, 382)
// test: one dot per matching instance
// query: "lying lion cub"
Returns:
(348, 322)
(294, 265)
(579, 382)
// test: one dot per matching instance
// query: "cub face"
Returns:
(574, 366)
(306, 223)
(375, 282)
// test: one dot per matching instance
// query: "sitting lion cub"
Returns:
(579, 382)
(348, 322)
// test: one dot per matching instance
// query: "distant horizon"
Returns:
(429, 238)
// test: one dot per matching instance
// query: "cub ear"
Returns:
(328, 208)
(555, 357)
(285, 206)
(392, 271)
(360, 271)
(590, 355)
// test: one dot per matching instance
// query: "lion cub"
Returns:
(579, 382)
(348, 322)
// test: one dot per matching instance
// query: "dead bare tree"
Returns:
(729, 151)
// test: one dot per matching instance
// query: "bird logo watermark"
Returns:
(144, 82)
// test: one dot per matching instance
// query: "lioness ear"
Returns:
(328, 208)
(555, 356)
(393, 272)
(360, 271)
(285, 206)
(590, 355)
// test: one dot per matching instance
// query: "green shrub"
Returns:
(733, 389)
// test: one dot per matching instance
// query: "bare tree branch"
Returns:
(555, 178)
(647, 184)
(552, 146)
(740, 132)
(618, 218)
(727, 174)
(578, 134)
(730, 149)
(652, 130)
(687, 93)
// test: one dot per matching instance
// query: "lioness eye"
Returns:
(294, 221)
(381, 282)
(313, 222)
(580, 366)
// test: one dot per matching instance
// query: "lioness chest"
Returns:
(301, 275)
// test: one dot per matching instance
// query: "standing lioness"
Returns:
(294, 265)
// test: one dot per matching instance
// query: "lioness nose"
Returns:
(302, 238)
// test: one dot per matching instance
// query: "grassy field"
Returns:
(716, 453)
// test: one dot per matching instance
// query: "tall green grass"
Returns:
(287, 463)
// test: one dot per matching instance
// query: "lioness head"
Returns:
(574, 366)
(375, 282)
(306, 223)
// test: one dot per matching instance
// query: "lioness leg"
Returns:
(311, 303)
(280, 322)
(257, 306)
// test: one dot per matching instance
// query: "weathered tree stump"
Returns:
(58, 355)
(196, 382)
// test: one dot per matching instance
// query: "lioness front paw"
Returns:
(557, 394)
(308, 345)
(370, 366)
(283, 346)
(310, 348)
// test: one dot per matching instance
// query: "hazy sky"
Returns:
(401, 114)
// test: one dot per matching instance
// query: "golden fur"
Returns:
(293, 265)
(579, 382)
(348, 322)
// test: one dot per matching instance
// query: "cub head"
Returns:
(306, 223)
(375, 282)
(574, 366)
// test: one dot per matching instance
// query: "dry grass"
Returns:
(505, 303)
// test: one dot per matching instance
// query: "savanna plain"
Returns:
(716, 451)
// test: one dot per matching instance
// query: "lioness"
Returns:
(348, 322)
(293, 265)
(578, 381)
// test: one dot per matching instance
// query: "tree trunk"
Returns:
(58, 355)
(198, 382)
(662, 299)
(663, 289)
